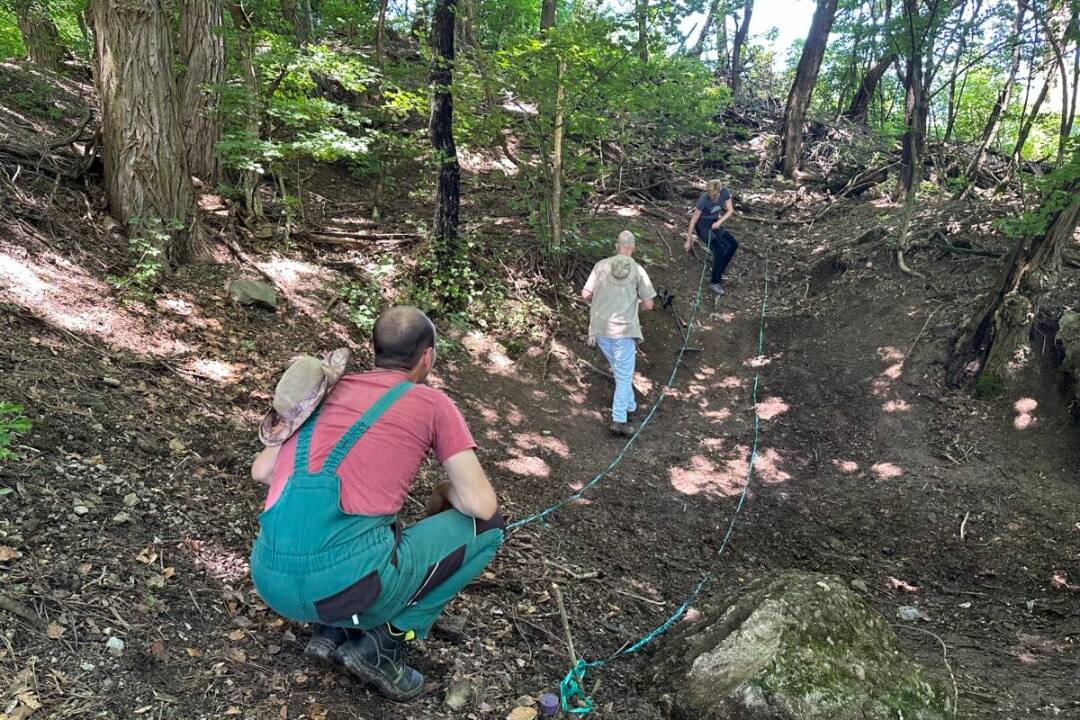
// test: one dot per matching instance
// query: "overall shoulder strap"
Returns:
(361, 426)
(303, 444)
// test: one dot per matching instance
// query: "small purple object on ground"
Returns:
(549, 704)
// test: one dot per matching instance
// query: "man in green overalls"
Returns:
(342, 453)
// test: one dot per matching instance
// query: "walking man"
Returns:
(616, 289)
(713, 209)
(342, 453)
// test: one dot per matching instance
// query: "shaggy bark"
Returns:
(805, 77)
(991, 341)
(146, 174)
(642, 13)
(202, 53)
(300, 15)
(441, 132)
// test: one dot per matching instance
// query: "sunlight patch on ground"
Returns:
(890, 354)
(886, 470)
(488, 353)
(642, 383)
(704, 373)
(1025, 413)
(732, 382)
(64, 296)
(526, 465)
(895, 406)
(704, 477)
(725, 317)
(536, 441)
(846, 466)
(215, 370)
(627, 211)
(481, 161)
(770, 407)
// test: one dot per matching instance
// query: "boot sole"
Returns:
(362, 672)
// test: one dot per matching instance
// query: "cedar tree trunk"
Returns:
(146, 176)
(202, 53)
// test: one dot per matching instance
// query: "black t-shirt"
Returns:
(712, 210)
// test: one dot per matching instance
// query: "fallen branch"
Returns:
(17, 608)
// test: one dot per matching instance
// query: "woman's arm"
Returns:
(690, 230)
(729, 210)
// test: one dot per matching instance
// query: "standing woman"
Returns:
(713, 208)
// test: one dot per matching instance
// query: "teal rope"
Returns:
(644, 423)
(573, 697)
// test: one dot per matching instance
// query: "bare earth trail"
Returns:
(866, 469)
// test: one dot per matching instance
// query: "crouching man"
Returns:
(342, 453)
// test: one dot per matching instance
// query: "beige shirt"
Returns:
(617, 284)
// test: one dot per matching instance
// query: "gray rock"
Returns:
(253, 292)
(792, 646)
(1068, 342)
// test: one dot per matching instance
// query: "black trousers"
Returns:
(723, 246)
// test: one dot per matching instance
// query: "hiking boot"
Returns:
(378, 657)
(717, 288)
(324, 640)
(621, 429)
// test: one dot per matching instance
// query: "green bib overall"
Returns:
(313, 562)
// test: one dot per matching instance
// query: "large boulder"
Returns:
(792, 646)
(1068, 342)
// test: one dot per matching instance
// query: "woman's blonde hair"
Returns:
(713, 186)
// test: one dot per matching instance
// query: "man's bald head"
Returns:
(402, 335)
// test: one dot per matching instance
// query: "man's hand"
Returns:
(689, 244)
(438, 501)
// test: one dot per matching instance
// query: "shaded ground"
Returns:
(131, 512)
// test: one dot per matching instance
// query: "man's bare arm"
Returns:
(467, 488)
(263, 467)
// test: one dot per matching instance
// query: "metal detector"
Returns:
(667, 299)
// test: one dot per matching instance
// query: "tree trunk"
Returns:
(380, 34)
(802, 87)
(1001, 102)
(420, 19)
(699, 44)
(990, 344)
(250, 178)
(1059, 58)
(1075, 76)
(464, 25)
(914, 139)
(642, 12)
(547, 14)
(860, 104)
(202, 53)
(43, 44)
(1033, 115)
(723, 59)
(302, 18)
(740, 39)
(441, 132)
(146, 176)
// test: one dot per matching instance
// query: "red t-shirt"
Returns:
(379, 470)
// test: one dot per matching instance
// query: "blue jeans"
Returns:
(621, 352)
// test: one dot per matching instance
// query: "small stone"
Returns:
(81, 509)
(131, 499)
(859, 585)
(87, 666)
(522, 712)
(115, 646)
(253, 292)
(910, 613)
